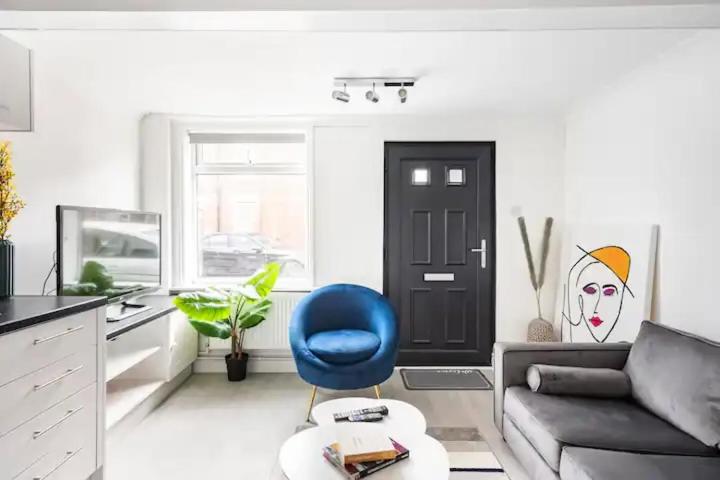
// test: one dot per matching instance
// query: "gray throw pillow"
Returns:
(676, 376)
(578, 381)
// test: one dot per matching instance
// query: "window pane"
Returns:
(420, 176)
(455, 176)
(246, 221)
(252, 153)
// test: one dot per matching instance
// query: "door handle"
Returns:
(483, 253)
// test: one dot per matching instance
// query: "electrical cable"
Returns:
(52, 269)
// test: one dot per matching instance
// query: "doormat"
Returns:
(444, 379)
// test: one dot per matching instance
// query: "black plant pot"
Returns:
(236, 367)
(7, 268)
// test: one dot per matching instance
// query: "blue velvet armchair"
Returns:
(344, 337)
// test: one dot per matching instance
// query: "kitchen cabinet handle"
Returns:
(69, 414)
(58, 335)
(66, 374)
(67, 458)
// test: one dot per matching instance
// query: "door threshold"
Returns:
(450, 367)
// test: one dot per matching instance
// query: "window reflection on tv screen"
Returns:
(107, 252)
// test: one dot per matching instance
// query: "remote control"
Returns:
(381, 409)
(368, 417)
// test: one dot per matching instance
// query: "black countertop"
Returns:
(161, 305)
(23, 311)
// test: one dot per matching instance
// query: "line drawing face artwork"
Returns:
(594, 292)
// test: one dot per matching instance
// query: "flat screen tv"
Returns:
(106, 252)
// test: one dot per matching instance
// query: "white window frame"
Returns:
(185, 222)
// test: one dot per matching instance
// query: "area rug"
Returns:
(444, 379)
(469, 454)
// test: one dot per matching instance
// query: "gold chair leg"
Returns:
(312, 401)
(377, 391)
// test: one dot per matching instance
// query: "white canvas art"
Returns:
(607, 282)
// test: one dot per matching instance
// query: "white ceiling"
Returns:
(241, 73)
(355, 16)
(237, 5)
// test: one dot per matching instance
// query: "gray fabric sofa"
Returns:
(668, 429)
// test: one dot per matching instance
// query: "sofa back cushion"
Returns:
(676, 376)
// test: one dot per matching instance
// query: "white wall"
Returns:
(348, 193)
(92, 89)
(648, 150)
(349, 199)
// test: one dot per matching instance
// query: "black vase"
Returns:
(236, 367)
(7, 268)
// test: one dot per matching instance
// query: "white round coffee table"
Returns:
(401, 417)
(301, 456)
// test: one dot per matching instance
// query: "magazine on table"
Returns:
(355, 471)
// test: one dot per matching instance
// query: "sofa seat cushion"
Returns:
(550, 422)
(343, 347)
(591, 464)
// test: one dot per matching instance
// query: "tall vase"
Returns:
(540, 330)
(7, 268)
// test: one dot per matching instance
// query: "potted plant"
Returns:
(230, 312)
(10, 206)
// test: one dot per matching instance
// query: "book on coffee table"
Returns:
(368, 446)
(355, 471)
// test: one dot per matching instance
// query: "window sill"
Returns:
(178, 290)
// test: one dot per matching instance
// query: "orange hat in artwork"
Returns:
(617, 259)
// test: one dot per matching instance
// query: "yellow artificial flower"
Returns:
(10, 201)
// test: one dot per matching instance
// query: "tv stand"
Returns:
(147, 356)
(125, 309)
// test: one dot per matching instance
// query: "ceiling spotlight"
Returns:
(341, 96)
(372, 96)
(402, 93)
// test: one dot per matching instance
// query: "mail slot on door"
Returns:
(439, 277)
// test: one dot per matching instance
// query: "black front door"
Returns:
(439, 250)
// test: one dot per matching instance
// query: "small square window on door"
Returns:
(454, 176)
(420, 176)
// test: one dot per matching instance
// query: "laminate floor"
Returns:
(211, 429)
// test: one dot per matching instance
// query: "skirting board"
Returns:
(260, 362)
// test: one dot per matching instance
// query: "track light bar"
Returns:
(378, 81)
(371, 95)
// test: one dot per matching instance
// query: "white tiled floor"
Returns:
(211, 429)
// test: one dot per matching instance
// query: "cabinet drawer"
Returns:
(32, 348)
(27, 396)
(71, 420)
(71, 463)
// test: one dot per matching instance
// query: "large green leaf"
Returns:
(206, 306)
(219, 329)
(253, 314)
(265, 278)
(247, 291)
